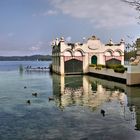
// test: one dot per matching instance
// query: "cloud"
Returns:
(46, 13)
(36, 46)
(101, 13)
(49, 13)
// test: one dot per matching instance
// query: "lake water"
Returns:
(75, 111)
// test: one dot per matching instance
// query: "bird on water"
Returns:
(28, 102)
(103, 112)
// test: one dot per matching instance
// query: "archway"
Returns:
(94, 60)
(73, 66)
(113, 61)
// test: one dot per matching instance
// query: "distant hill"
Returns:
(26, 58)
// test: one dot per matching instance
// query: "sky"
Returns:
(27, 27)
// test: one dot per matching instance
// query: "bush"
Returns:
(98, 68)
(98, 65)
(119, 70)
(92, 65)
(114, 66)
(119, 66)
(101, 66)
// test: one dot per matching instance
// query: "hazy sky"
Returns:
(28, 26)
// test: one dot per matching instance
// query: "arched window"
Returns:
(94, 60)
(67, 53)
(117, 53)
(108, 53)
(78, 53)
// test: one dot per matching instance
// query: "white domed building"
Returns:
(75, 58)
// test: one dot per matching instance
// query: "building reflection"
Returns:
(85, 91)
(96, 94)
(134, 103)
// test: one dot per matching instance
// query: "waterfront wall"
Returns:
(108, 72)
(130, 77)
(133, 75)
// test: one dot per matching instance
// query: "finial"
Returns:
(56, 41)
(122, 41)
(62, 39)
(111, 42)
(53, 43)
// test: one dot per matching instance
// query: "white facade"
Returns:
(68, 58)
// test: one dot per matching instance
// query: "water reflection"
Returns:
(134, 103)
(21, 70)
(97, 95)
(85, 91)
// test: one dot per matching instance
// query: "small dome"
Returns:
(93, 38)
(62, 38)
(53, 43)
(122, 41)
(57, 41)
(110, 42)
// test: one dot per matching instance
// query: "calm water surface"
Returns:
(75, 112)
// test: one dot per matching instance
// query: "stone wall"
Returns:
(107, 72)
(133, 75)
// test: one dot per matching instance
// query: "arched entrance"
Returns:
(94, 60)
(73, 66)
(113, 61)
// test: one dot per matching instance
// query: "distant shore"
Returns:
(26, 58)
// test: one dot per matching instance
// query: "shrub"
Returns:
(92, 65)
(98, 65)
(119, 66)
(113, 66)
(101, 66)
(98, 68)
(119, 70)
(116, 67)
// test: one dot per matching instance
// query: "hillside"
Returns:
(26, 58)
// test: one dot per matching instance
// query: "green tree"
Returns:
(130, 51)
